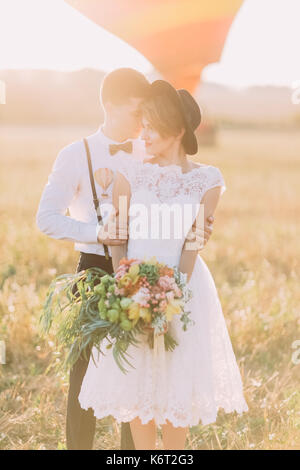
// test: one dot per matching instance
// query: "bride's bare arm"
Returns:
(189, 253)
(121, 188)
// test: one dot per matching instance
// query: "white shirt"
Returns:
(69, 187)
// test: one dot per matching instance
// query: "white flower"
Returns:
(142, 296)
(170, 295)
(183, 278)
(159, 324)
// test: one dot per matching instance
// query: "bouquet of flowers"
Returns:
(141, 297)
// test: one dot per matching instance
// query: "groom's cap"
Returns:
(189, 109)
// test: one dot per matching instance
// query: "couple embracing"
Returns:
(142, 148)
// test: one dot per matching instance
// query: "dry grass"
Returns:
(253, 255)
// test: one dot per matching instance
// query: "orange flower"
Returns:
(126, 261)
(133, 289)
(165, 271)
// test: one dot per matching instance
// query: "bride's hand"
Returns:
(149, 329)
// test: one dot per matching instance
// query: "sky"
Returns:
(36, 34)
(262, 46)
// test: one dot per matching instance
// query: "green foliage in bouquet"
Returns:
(82, 320)
(150, 271)
(140, 298)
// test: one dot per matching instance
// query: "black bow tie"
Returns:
(126, 147)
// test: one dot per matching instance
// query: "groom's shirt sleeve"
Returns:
(61, 188)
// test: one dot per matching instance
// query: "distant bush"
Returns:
(45, 97)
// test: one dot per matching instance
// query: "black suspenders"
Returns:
(95, 198)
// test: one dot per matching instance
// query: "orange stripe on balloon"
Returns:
(166, 16)
(136, 18)
(201, 43)
(181, 54)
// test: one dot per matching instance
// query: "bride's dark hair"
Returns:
(163, 115)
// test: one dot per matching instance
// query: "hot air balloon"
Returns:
(179, 37)
(104, 177)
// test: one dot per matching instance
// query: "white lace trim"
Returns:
(176, 415)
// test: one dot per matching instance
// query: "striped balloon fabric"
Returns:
(179, 37)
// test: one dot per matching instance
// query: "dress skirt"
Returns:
(186, 386)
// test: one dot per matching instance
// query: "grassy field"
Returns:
(253, 256)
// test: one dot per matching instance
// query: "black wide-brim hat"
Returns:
(188, 107)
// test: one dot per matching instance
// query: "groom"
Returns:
(68, 187)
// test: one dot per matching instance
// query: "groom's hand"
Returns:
(105, 238)
(201, 236)
(113, 234)
(208, 228)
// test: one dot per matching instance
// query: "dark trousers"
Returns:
(81, 423)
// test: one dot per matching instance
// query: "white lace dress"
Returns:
(190, 384)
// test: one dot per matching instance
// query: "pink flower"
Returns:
(167, 283)
(135, 261)
(121, 271)
(142, 296)
(119, 291)
(177, 291)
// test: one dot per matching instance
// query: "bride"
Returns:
(178, 389)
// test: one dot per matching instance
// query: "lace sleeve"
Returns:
(203, 179)
(214, 178)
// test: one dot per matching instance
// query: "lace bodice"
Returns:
(169, 182)
(155, 190)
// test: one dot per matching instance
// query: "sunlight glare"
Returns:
(49, 34)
